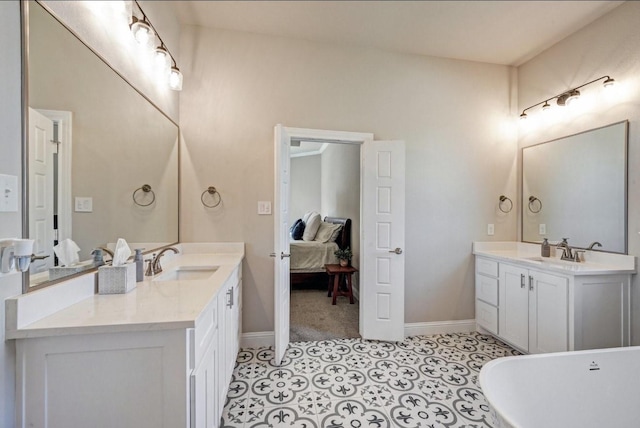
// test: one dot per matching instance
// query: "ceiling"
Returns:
(498, 32)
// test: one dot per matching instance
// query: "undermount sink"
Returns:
(187, 273)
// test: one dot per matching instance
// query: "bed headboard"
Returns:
(344, 239)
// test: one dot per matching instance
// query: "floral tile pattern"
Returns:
(424, 381)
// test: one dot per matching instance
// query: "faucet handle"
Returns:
(578, 256)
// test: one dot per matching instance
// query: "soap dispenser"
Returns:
(98, 259)
(137, 259)
(545, 249)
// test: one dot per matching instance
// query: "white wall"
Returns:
(341, 188)
(305, 186)
(608, 46)
(10, 160)
(453, 115)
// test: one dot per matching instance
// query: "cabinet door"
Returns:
(548, 313)
(514, 306)
(205, 409)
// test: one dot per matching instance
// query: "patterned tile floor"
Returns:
(425, 381)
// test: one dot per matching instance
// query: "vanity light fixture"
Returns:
(146, 34)
(567, 97)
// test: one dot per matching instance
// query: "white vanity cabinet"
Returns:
(159, 356)
(547, 305)
(533, 308)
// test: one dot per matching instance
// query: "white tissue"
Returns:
(67, 252)
(121, 253)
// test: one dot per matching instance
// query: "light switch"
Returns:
(8, 193)
(264, 207)
(84, 204)
(490, 229)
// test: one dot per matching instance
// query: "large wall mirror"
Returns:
(94, 142)
(576, 187)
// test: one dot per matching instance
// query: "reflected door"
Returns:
(41, 152)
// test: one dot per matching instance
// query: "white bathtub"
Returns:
(598, 388)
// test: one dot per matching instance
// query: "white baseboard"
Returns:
(259, 339)
(267, 338)
(439, 327)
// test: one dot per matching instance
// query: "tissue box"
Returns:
(116, 279)
(60, 272)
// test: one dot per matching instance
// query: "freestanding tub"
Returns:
(596, 388)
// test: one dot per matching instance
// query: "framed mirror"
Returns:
(576, 187)
(102, 159)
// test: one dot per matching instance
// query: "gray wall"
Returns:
(455, 117)
(608, 46)
(306, 186)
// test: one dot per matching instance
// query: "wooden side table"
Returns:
(337, 272)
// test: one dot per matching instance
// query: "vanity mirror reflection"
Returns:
(93, 141)
(576, 187)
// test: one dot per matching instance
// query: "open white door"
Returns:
(41, 149)
(382, 257)
(281, 240)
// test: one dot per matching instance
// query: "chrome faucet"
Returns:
(567, 254)
(155, 264)
(594, 244)
(106, 250)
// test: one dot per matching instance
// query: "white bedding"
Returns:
(311, 256)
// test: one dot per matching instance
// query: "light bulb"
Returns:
(142, 32)
(609, 82)
(523, 116)
(573, 97)
(175, 79)
(546, 106)
(162, 58)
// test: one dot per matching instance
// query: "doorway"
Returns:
(381, 279)
(325, 178)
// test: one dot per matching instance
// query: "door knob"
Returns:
(397, 251)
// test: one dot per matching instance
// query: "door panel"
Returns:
(382, 269)
(281, 239)
(514, 305)
(41, 150)
(548, 314)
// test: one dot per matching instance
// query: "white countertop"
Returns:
(152, 305)
(596, 262)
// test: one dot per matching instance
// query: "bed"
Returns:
(309, 257)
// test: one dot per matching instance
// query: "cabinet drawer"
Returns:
(487, 267)
(487, 316)
(487, 289)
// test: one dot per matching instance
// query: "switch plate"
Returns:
(264, 207)
(542, 229)
(84, 204)
(490, 229)
(8, 193)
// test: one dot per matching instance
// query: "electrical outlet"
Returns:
(542, 229)
(8, 193)
(490, 229)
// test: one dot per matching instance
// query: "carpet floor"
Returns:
(314, 318)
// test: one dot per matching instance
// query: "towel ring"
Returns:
(532, 201)
(504, 199)
(145, 189)
(213, 192)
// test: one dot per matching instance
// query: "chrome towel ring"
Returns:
(145, 190)
(532, 204)
(502, 203)
(213, 192)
